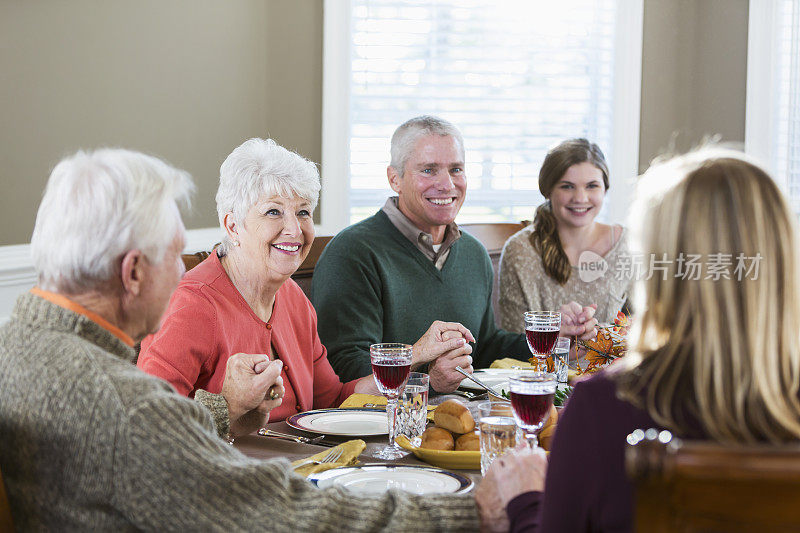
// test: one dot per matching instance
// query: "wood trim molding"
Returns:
(17, 274)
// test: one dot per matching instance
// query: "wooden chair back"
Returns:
(6, 524)
(702, 486)
(192, 260)
(493, 236)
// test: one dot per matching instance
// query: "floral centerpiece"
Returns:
(609, 345)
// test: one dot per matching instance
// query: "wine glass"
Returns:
(532, 396)
(541, 330)
(391, 363)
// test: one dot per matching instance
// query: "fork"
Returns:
(331, 457)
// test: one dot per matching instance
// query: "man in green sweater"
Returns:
(92, 443)
(388, 277)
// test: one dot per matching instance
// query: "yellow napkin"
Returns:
(510, 363)
(357, 400)
(354, 401)
(350, 452)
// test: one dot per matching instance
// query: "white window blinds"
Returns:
(786, 136)
(772, 129)
(516, 76)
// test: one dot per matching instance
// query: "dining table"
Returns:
(262, 447)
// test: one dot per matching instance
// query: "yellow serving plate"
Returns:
(441, 458)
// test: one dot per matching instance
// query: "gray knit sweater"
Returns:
(90, 442)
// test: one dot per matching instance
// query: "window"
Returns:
(516, 76)
(773, 91)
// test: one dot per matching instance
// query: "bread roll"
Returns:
(437, 439)
(549, 429)
(552, 418)
(454, 416)
(468, 442)
(546, 437)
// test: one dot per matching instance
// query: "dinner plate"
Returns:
(380, 478)
(459, 460)
(493, 377)
(343, 422)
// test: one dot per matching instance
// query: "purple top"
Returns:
(587, 488)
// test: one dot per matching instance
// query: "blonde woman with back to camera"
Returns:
(713, 357)
(540, 265)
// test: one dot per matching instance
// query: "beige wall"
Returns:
(694, 74)
(294, 55)
(186, 80)
(190, 79)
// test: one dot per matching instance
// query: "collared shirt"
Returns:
(62, 301)
(423, 241)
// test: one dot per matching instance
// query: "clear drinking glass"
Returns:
(391, 363)
(541, 330)
(411, 416)
(498, 431)
(532, 396)
(561, 359)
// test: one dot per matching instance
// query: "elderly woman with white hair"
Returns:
(241, 298)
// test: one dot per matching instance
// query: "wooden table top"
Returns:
(267, 448)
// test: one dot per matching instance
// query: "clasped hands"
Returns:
(445, 346)
(253, 387)
(578, 321)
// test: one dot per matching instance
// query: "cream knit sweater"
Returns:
(90, 442)
(525, 286)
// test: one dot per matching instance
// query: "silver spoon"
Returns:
(476, 380)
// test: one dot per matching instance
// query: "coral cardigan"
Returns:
(208, 320)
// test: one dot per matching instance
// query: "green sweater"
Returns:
(88, 442)
(371, 284)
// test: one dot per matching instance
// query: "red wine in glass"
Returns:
(532, 396)
(541, 341)
(391, 363)
(391, 374)
(532, 409)
(541, 331)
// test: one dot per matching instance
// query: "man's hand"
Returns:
(519, 471)
(443, 374)
(578, 321)
(248, 379)
(434, 342)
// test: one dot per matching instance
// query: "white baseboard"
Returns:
(17, 274)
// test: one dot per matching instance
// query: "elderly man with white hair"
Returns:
(90, 442)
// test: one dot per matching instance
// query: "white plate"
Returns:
(497, 378)
(344, 422)
(380, 478)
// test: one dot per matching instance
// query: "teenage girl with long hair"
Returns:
(540, 266)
